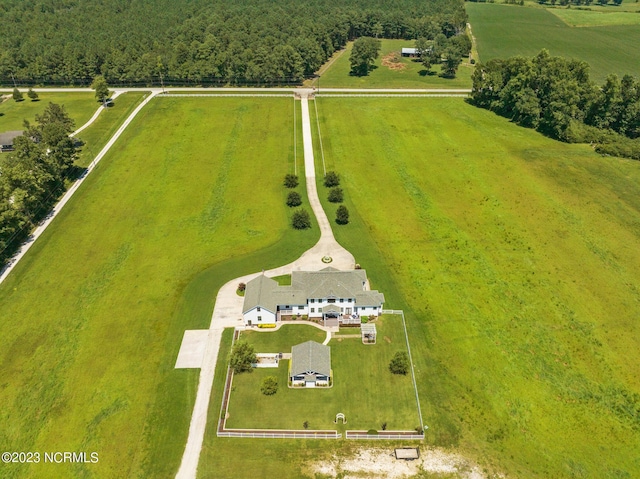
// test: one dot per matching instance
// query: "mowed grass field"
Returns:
(412, 75)
(79, 106)
(591, 18)
(502, 31)
(95, 136)
(515, 259)
(92, 318)
(363, 387)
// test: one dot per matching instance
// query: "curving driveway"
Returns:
(227, 312)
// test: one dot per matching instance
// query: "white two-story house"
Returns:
(329, 294)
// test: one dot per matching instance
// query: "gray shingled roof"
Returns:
(329, 282)
(310, 357)
(331, 308)
(7, 137)
(258, 292)
(369, 298)
(265, 292)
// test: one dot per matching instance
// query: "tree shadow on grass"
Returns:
(363, 74)
(425, 73)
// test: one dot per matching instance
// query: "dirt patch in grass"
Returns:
(387, 339)
(379, 462)
(393, 61)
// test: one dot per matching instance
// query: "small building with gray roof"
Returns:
(7, 138)
(310, 365)
(328, 294)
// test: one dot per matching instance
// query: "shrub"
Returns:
(305, 424)
(331, 179)
(290, 181)
(294, 199)
(400, 363)
(372, 432)
(301, 220)
(336, 195)
(242, 356)
(383, 426)
(342, 215)
(17, 95)
(269, 386)
(242, 286)
(32, 94)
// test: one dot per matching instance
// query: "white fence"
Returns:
(364, 435)
(280, 434)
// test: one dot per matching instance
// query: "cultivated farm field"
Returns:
(502, 31)
(92, 318)
(514, 257)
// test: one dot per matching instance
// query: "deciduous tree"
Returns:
(102, 89)
(301, 220)
(331, 179)
(342, 215)
(363, 55)
(243, 356)
(294, 199)
(399, 363)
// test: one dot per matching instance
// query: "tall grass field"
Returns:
(514, 256)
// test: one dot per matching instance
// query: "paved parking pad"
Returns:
(194, 343)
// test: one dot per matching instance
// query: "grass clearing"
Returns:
(92, 318)
(79, 106)
(410, 75)
(512, 256)
(105, 126)
(502, 31)
(363, 388)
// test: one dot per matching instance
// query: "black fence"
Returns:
(10, 82)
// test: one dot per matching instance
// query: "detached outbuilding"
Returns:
(310, 365)
(7, 138)
(410, 52)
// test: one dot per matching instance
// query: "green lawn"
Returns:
(513, 256)
(502, 31)
(280, 341)
(337, 74)
(225, 457)
(363, 388)
(80, 106)
(92, 318)
(102, 129)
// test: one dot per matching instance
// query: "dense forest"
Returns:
(555, 96)
(199, 41)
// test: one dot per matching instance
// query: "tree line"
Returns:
(32, 177)
(556, 97)
(200, 41)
